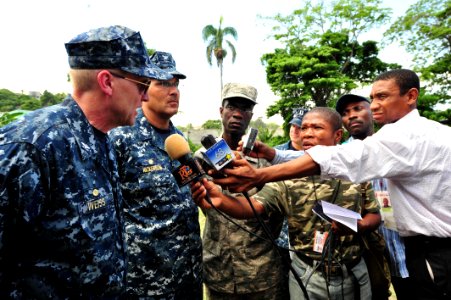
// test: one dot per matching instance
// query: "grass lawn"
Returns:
(202, 224)
(201, 221)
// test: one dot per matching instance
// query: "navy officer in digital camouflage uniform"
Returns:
(61, 230)
(161, 219)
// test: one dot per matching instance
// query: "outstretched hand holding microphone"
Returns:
(243, 176)
(190, 171)
(205, 193)
(217, 150)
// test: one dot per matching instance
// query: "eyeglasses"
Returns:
(167, 84)
(142, 86)
(246, 110)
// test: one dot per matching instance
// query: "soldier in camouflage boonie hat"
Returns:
(165, 61)
(239, 90)
(113, 47)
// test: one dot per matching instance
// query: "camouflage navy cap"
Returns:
(298, 115)
(164, 61)
(113, 47)
(239, 90)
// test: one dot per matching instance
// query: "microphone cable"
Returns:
(273, 241)
(228, 218)
(268, 233)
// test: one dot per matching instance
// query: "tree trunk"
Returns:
(220, 76)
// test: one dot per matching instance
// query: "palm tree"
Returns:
(215, 39)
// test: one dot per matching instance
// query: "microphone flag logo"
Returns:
(185, 172)
(188, 172)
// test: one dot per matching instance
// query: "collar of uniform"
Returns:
(145, 131)
(83, 131)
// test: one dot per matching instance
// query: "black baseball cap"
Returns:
(348, 98)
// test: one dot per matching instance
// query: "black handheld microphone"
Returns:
(178, 149)
(249, 141)
(207, 141)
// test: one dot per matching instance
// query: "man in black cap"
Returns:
(61, 234)
(161, 220)
(356, 114)
(357, 119)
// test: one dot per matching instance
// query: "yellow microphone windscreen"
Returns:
(176, 146)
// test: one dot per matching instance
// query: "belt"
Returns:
(432, 241)
(332, 269)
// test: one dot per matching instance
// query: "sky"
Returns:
(33, 57)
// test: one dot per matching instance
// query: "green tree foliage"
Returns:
(14, 105)
(425, 31)
(8, 117)
(259, 123)
(277, 140)
(193, 146)
(267, 132)
(212, 124)
(215, 39)
(48, 99)
(266, 135)
(10, 101)
(322, 57)
(31, 104)
(426, 104)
